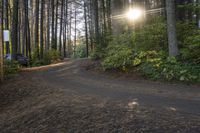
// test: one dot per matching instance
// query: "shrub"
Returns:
(11, 67)
(188, 38)
(36, 62)
(50, 56)
(81, 51)
(126, 39)
(174, 70)
(98, 54)
(139, 50)
(152, 64)
(118, 57)
(191, 51)
(185, 30)
(169, 68)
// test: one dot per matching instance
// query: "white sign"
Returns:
(6, 36)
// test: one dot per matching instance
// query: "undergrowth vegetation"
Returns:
(146, 51)
(49, 57)
(80, 51)
(11, 67)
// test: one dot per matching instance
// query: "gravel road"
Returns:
(69, 98)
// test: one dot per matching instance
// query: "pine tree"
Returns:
(171, 26)
(14, 36)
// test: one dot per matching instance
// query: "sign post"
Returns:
(1, 53)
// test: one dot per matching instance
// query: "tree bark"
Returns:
(14, 34)
(19, 31)
(42, 28)
(65, 28)
(1, 47)
(56, 27)
(171, 27)
(96, 14)
(61, 26)
(86, 30)
(48, 26)
(198, 13)
(2, 22)
(25, 38)
(7, 25)
(70, 32)
(37, 28)
(52, 25)
(75, 30)
(29, 41)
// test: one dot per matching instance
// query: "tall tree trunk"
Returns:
(198, 14)
(61, 27)
(69, 27)
(2, 23)
(109, 17)
(26, 40)
(29, 41)
(52, 25)
(7, 25)
(91, 25)
(25, 28)
(104, 24)
(14, 33)
(32, 23)
(65, 28)
(37, 28)
(56, 25)
(180, 12)
(171, 27)
(48, 26)
(70, 33)
(86, 30)
(75, 30)
(1, 45)
(19, 30)
(96, 15)
(42, 28)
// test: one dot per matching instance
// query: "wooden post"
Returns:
(1, 52)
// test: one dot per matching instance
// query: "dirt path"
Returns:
(68, 98)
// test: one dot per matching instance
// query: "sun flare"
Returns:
(134, 14)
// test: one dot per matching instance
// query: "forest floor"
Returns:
(72, 97)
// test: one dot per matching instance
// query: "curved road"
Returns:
(72, 75)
